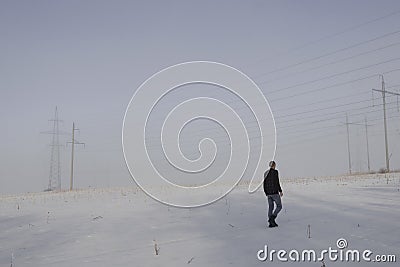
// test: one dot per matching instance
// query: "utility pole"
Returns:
(72, 157)
(366, 135)
(348, 142)
(384, 92)
(385, 124)
(73, 142)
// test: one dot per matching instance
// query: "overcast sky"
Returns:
(89, 57)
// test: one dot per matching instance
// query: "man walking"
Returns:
(273, 191)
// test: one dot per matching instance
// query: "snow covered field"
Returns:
(120, 227)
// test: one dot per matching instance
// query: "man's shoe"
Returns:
(272, 221)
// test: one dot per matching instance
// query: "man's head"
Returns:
(272, 164)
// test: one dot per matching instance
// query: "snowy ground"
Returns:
(119, 227)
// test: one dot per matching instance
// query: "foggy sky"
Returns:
(89, 57)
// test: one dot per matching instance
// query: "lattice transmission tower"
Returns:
(55, 165)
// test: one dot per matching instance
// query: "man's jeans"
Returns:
(271, 199)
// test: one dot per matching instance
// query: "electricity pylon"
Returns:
(55, 166)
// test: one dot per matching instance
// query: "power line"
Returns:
(393, 86)
(302, 141)
(334, 75)
(302, 134)
(330, 53)
(330, 126)
(333, 62)
(325, 87)
(321, 89)
(336, 117)
(339, 125)
(332, 113)
(297, 131)
(278, 122)
(334, 85)
(297, 141)
(336, 126)
(322, 101)
(324, 108)
(205, 130)
(351, 28)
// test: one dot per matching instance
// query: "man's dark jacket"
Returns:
(271, 182)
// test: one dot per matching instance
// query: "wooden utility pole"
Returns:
(348, 142)
(366, 135)
(384, 92)
(73, 142)
(385, 124)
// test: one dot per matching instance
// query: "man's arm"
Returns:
(279, 184)
(264, 184)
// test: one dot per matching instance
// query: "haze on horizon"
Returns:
(315, 62)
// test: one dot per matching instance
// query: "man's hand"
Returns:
(281, 194)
